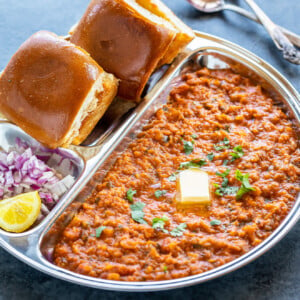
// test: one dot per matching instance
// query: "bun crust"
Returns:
(44, 87)
(184, 34)
(126, 40)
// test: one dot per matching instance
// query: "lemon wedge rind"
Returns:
(19, 213)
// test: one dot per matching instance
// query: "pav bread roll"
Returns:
(184, 34)
(54, 90)
(126, 39)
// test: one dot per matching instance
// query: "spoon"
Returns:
(290, 53)
(211, 6)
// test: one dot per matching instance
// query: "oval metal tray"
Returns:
(35, 246)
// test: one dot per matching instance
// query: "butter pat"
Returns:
(193, 187)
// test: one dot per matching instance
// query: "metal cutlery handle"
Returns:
(293, 37)
(290, 53)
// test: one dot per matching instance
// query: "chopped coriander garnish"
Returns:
(219, 148)
(218, 190)
(224, 174)
(193, 163)
(227, 128)
(226, 141)
(237, 153)
(215, 222)
(99, 231)
(242, 191)
(246, 186)
(159, 223)
(225, 182)
(224, 189)
(210, 156)
(179, 230)
(159, 193)
(222, 145)
(194, 136)
(129, 195)
(188, 147)
(165, 269)
(225, 162)
(172, 177)
(137, 213)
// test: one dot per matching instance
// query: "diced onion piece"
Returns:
(68, 181)
(24, 169)
(62, 186)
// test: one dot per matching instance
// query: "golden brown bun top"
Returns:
(184, 33)
(123, 41)
(44, 85)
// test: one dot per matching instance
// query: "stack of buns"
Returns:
(131, 39)
(57, 91)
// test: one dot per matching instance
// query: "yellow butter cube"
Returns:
(193, 187)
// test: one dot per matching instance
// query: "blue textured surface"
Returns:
(275, 275)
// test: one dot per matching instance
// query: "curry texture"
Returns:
(215, 111)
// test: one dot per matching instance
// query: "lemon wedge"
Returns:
(18, 213)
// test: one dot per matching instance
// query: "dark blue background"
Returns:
(275, 275)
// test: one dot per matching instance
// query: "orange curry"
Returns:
(131, 229)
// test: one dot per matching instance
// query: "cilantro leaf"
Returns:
(225, 162)
(218, 190)
(179, 230)
(165, 269)
(159, 193)
(230, 190)
(225, 190)
(210, 156)
(137, 213)
(237, 153)
(222, 145)
(215, 222)
(225, 182)
(99, 231)
(188, 147)
(159, 223)
(172, 177)
(246, 186)
(224, 174)
(194, 136)
(242, 191)
(129, 195)
(226, 141)
(193, 163)
(239, 175)
(219, 148)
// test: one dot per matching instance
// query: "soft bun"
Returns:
(184, 34)
(54, 90)
(126, 39)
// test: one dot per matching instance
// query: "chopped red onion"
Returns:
(24, 169)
